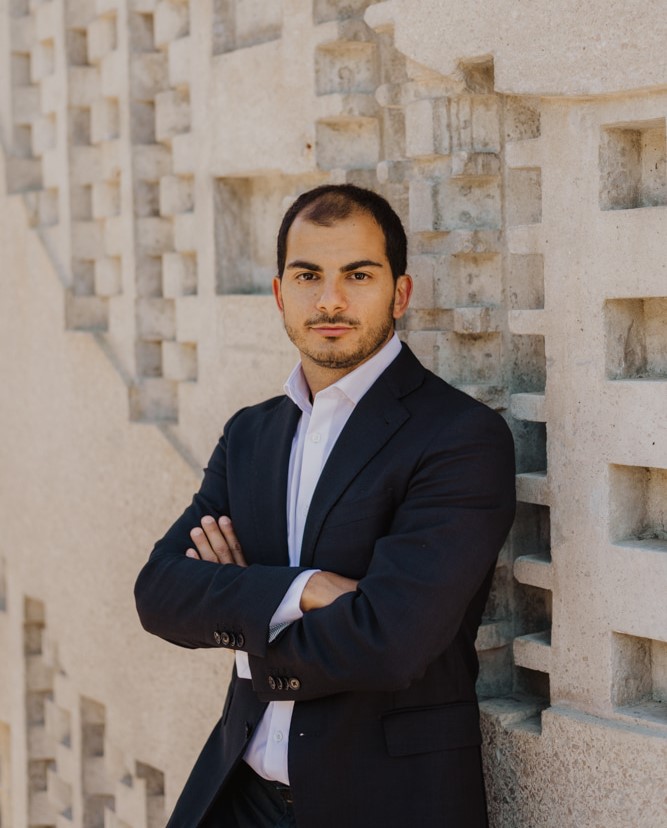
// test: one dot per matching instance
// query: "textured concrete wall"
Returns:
(149, 150)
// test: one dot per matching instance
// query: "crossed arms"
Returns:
(420, 587)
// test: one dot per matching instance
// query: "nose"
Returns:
(332, 298)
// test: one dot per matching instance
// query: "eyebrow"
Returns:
(302, 265)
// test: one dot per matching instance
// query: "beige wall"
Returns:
(149, 151)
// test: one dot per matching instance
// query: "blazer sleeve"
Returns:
(196, 603)
(443, 541)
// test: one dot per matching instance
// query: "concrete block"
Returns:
(419, 138)
(146, 198)
(42, 60)
(533, 487)
(422, 206)
(22, 33)
(148, 75)
(79, 13)
(24, 174)
(179, 275)
(185, 232)
(533, 651)
(43, 134)
(179, 61)
(347, 143)
(112, 74)
(52, 94)
(108, 276)
(151, 162)
(170, 22)
(156, 319)
(345, 67)
(106, 6)
(26, 104)
(176, 194)
(85, 165)
(46, 20)
(76, 47)
(104, 120)
(81, 204)
(142, 122)
(154, 235)
(172, 113)
(485, 123)
(528, 406)
(184, 154)
(179, 361)
(476, 320)
(111, 159)
(475, 165)
(101, 37)
(422, 270)
(534, 570)
(114, 237)
(83, 85)
(53, 169)
(86, 240)
(105, 199)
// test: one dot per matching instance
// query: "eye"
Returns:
(306, 276)
(359, 276)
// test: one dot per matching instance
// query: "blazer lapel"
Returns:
(376, 418)
(270, 465)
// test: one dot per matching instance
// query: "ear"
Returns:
(277, 292)
(402, 294)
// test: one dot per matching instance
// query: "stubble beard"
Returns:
(370, 343)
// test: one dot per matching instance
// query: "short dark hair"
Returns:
(330, 203)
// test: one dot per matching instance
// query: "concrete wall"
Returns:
(149, 150)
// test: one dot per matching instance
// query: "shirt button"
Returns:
(316, 437)
(278, 736)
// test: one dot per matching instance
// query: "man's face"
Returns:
(337, 294)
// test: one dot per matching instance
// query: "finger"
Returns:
(204, 548)
(216, 540)
(232, 541)
(192, 553)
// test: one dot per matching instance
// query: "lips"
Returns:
(331, 330)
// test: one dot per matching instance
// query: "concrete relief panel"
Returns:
(640, 676)
(633, 169)
(636, 336)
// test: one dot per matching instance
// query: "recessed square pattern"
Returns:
(247, 214)
(639, 677)
(633, 171)
(636, 338)
(638, 505)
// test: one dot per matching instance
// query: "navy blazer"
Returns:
(415, 501)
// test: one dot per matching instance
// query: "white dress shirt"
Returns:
(318, 429)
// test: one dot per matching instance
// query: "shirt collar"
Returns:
(353, 385)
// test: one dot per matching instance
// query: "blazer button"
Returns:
(280, 685)
(294, 684)
(216, 637)
(240, 640)
(232, 640)
(272, 683)
(225, 639)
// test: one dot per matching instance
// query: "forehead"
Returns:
(357, 236)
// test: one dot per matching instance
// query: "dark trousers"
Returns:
(248, 801)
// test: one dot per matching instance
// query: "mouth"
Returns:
(331, 330)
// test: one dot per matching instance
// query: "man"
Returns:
(343, 543)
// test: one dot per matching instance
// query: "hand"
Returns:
(216, 542)
(323, 588)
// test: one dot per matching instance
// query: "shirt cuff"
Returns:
(289, 609)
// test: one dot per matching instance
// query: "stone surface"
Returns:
(150, 148)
